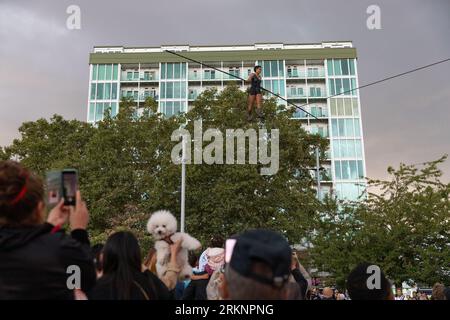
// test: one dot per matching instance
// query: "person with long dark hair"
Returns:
(123, 278)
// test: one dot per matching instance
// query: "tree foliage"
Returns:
(126, 170)
(404, 227)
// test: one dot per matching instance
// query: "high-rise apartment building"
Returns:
(302, 73)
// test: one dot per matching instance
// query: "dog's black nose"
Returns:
(159, 231)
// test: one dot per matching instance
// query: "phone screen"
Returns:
(70, 187)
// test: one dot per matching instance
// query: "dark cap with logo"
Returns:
(266, 247)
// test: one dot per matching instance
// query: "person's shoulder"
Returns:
(150, 276)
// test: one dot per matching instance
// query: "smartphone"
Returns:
(69, 186)
(62, 184)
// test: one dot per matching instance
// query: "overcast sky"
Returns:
(44, 66)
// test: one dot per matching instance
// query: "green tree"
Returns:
(44, 144)
(126, 170)
(404, 227)
(226, 199)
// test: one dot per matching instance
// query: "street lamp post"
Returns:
(183, 183)
(318, 172)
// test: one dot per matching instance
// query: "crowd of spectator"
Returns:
(36, 254)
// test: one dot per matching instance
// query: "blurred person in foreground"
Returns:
(97, 253)
(300, 275)
(123, 278)
(35, 253)
(257, 267)
(359, 290)
(438, 292)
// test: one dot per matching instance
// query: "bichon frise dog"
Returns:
(162, 225)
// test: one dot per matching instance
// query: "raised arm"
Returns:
(250, 76)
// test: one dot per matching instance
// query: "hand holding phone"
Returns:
(58, 215)
(79, 215)
(62, 184)
(70, 186)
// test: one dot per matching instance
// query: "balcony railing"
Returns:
(149, 77)
(295, 74)
(139, 97)
(193, 95)
(298, 95)
(193, 76)
(209, 76)
(125, 76)
(316, 74)
(229, 77)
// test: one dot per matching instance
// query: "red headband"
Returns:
(22, 192)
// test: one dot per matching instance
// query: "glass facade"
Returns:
(104, 88)
(173, 88)
(346, 133)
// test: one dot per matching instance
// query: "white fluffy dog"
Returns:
(162, 225)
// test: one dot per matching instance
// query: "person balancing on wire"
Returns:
(254, 93)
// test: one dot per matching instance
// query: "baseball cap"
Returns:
(263, 246)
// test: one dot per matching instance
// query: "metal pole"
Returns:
(183, 183)
(318, 172)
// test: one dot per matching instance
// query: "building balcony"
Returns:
(295, 74)
(230, 77)
(322, 115)
(316, 74)
(149, 77)
(310, 74)
(135, 77)
(194, 76)
(212, 77)
(299, 95)
(139, 97)
(193, 95)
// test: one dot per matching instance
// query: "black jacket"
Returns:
(302, 282)
(34, 262)
(146, 286)
(196, 290)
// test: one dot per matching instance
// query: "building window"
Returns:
(330, 67)
(315, 92)
(99, 112)
(115, 72)
(114, 109)
(91, 116)
(94, 72)
(348, 169)
(344, 67)
(107, 95)
(93, 91)
(272, 69)
(114, 91)
(346, 127)
(100, 91)
(108, 75)
(313, 72)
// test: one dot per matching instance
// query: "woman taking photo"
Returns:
(35, 253)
